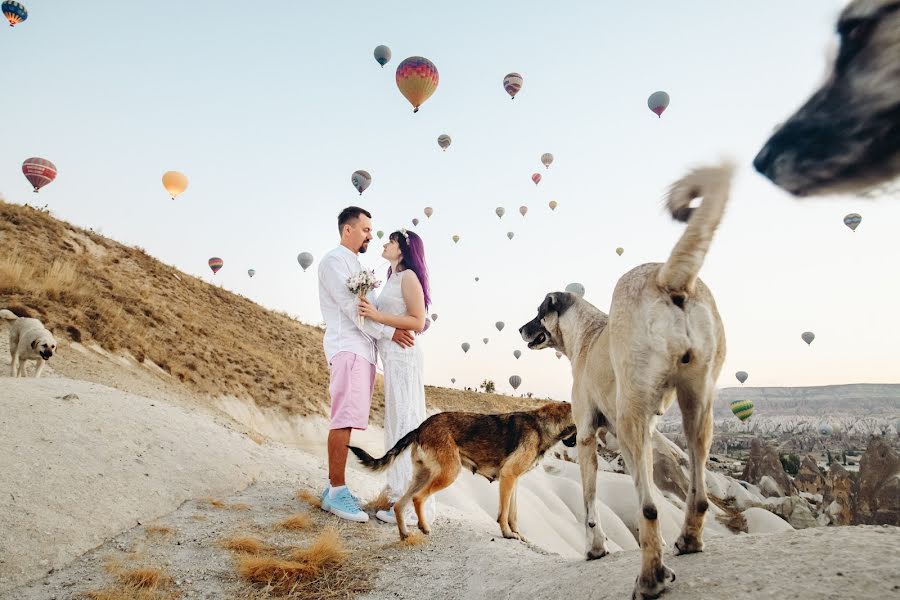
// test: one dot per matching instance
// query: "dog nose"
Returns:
(764, 160)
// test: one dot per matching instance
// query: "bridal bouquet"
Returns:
(360, 285)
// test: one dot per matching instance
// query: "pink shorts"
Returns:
(352, 382)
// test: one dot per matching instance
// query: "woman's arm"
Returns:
(413, 295)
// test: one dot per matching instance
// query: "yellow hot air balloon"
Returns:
(417, 78)
(455, 239)
(174, 182)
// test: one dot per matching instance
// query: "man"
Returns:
(351, 355)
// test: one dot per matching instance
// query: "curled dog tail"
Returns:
(713, 184)
(379, 464)
(8, 315)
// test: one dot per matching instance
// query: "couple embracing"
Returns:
(357, 331)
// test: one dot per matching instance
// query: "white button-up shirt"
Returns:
(339, 308)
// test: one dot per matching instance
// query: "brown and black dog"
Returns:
(502, 446)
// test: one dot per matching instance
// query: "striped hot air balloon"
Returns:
(742, 409)
(15, 12)
(512, 83)
(39, 172)
(417, 79)
(215, 263)
(444, 141)
(853, 220)
(515, 381)
(547, 159)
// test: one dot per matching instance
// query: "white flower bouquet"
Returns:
(360, 285)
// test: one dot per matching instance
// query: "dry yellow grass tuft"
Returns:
(147, 578)
(281, 576)
(296, 522)
(307, 496)
(380, 502)
(245, 543)
(415, 538)
(215, 502)
(325, 551)
(137, 584)
(158, 530)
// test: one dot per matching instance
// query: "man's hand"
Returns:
(403, 338)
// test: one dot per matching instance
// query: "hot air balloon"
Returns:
(510, 234)
(455, 239)
(657, 102)
(429, 211)
(251, 272)
(434, 317)
(620, 250)
(553, 205)
(415, 222)
(453, 380)
(465, 346)
(382, 55)
(477, 279)
(38, 171)
(500, 211)
(305, 259)
(558, 354)
(825, 429)
(485, 340)
(536, 178)
(853, 220)
(575, 288)
(808, 337)
(380, 234)
(512, 83)
(215, 263)
(15, 12)
(499, 325)
(417, 78)
(517, 353)
(515, 381)
(444, 141)
(547, 159)
(741, 376)
(175, 183)
(742, 409)
(523, 210)
(361, 180)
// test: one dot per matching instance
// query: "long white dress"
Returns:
(404, 392)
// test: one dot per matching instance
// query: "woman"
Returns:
(403, 304)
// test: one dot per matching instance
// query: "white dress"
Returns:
(404, 392)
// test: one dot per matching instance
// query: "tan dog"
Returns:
(846, 137)
(663, 339)
(503, 446)
(28, 340)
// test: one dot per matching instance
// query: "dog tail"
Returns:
(379, 464)
(8, 315)
(713, 184)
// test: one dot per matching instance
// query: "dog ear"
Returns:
(33, 343)
(548, 305)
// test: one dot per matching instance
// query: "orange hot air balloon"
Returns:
(417, 79)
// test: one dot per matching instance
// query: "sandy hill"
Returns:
(112, 298)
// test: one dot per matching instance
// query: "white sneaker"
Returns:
(387, 516)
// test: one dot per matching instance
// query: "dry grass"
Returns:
(310, 498)
(245, 543)
(158, 530)
(380, 502)
(146, 583)
(325, 551)
(215, 502)
(198, 517)
(96, 290)
(415, 538)
(296, 522)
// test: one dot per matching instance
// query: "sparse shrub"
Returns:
(790, 463)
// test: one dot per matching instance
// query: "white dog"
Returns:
(28, 340)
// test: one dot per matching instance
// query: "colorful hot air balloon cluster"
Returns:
(39, 172)
(417, 79)
(15, 12)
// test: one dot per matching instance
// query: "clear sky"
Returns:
(269, 107)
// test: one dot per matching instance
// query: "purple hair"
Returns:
(413, 251)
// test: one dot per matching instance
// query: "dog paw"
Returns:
(688, 544)
(595, 553)
(512, 535)
(654, 586)
(425, 530)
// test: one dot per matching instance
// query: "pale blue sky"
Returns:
(269, 107)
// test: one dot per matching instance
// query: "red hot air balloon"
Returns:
(536, 178)
(215, 263)
(39, 172)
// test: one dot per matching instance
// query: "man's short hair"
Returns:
(351, 214)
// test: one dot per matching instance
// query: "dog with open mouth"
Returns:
(29, 340)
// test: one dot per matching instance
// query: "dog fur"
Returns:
(846, 137)
(663, 339)
(28, 340)
(501, 446)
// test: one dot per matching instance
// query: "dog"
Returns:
(500, 446)
(28, 340)
(846, 137)
(663, 339)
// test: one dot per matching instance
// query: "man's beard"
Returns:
(364, 247)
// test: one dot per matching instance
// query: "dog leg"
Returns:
(514, 512)
(14, 364)
(420, 479)
(634, 438)
(40, 367)
(696, 411)
(450, 467)
(587, 461)
(507, 489)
